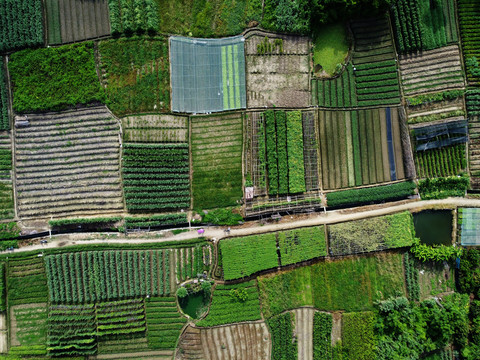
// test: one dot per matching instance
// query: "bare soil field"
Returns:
(236, 341)
(68, 163)
(155, 128)
(278, 78)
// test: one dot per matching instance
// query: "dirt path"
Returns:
(304, 332)
(287, 222)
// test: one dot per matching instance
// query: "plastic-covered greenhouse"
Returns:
(207, 75)
(469, 219)
(440, 135)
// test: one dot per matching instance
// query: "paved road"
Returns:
(286, 223)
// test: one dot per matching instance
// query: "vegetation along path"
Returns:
(329, 217)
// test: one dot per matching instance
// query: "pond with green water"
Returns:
(434, 226)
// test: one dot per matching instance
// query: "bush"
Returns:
(9, 230)
(425, 252)
(442, 188)
(182, 292)
(54, 78)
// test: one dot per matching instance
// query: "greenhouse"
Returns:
(441, 135)
(469, 224)
(207, 75)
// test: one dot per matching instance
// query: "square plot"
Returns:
(207, 75)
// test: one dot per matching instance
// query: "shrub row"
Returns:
(441, 188)
(4, 121)
(371, 194)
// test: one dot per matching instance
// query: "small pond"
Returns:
(434, 226)
(194, 304)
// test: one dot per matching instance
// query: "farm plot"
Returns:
(242, 257)
(284, 340)
(338, 92)
(122, 317)
(374, 63)
(128, 16)
(217, 160)
(4, 120)
(189, 262)
(232, 304)
(279, 78)
(424, 25)
(68, 163)
(119, 347)
(135, 74)
(472, 97)
(28, 329)
(106, 275)
(208, 75)
(358, 339)
(6, 193)
(76, 20)
(468, 13)
(380, 233)
(445, 105)
(26, 281)
(156, 178)
(164, 322)
(71, 330)
(301, 244)
(284, 152)
(434, 70)
(442, 162)
(155, 129)
(54, 78)
(322, 335)
(360, 147)
(236, 341)
(358, 283)
(21, 24)
(434, 279)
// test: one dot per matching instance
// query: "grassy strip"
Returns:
(283, 162)
(322, 336)
(358, 340)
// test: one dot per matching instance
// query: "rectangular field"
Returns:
(155, 129)
(280, 77)
(76, 20)
(441, 162)
(68, 163)
(360, 147)
(121, 63)
(468, 13)
(156, 178)
(434, 70)
(347, 284)
(217, 145)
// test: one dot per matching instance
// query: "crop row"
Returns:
(29, 285)
(156, 220)
(468, 13)
(472, 99)
(21, 24)
(143, 162)
(4, 121)
(371, 194)
(128, 16)
(164, 323)
(441, 188)
(284, 151)
(124, 317)
(75, 336)
(322, 336)
(100, 275)
(441, 162)
(411, 277)
(284, 343)
(189, 262)
(338, 92)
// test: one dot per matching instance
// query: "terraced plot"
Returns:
(278, 78)
(374, 63)
(26, 281)
(360, 147)
(29, 326)
(217, 160)
(155, 129)
(431, 71)
(235, 341)
(68, 163)
(76, 20)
